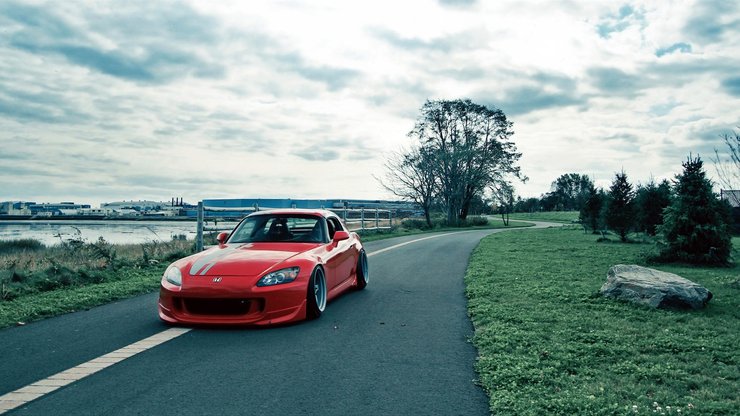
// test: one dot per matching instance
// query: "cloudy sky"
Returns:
(111, 100)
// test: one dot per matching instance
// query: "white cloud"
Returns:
(300, 99)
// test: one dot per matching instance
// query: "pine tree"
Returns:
(619, 208)
(650, 201)
(590, 215)
(695, 225)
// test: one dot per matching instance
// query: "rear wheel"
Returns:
(316, 296)
(363, 273)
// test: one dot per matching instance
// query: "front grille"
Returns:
(197, 306)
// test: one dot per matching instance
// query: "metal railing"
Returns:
(367, 219)
(202, 221)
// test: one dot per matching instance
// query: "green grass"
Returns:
(554, 216)
(37, 306)
(493, 223)
(549, 344)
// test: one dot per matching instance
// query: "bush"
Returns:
(414, 224)
(475, 221)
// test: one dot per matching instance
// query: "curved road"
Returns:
(399, 347)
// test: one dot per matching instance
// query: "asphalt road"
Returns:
(399, 347)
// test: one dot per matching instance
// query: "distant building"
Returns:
(15, 208)
(731, 196)
(54, 209)
(92, 212)
(140, 206)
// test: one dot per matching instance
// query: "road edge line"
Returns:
(41, 388)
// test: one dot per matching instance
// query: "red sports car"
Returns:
(275, 267)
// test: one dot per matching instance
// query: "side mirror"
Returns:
(340, 235)
(221, 238)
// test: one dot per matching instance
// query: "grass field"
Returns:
(493, 223)
(554, 216)
(549, 344)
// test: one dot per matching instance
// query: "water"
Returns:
(116, 232)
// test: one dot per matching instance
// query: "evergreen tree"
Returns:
(650, 201)
(619, 208)
(591, 211)
(695, 224)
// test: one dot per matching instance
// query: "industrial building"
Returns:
(250, 204)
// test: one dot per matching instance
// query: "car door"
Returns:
(340, 259)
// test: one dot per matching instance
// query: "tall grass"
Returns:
(28, 267)
(23, 245)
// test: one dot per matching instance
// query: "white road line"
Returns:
(406, 243)
(40, 388)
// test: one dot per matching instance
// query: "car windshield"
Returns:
(279, 228)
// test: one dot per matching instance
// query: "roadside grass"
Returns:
(38, 282)
(493, 223)
(131, 282)
(568, 217)
(549, 344)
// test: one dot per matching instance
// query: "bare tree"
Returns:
(411, 176)
(470, 146)
(728, 169)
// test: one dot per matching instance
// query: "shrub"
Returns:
(414, 224)
(476, 221)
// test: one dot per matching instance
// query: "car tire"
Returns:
(316, 295)
(363, 272)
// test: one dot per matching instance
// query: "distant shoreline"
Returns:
(96, 218)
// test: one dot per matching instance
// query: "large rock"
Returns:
(654, 288)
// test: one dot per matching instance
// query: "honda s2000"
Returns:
(275, 267)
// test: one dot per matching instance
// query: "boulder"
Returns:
(654, 288)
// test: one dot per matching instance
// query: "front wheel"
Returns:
(316, 296)
(363, 273)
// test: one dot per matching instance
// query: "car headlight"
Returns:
(279, 276)
(173, 275)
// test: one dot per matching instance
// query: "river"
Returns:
(116, 232)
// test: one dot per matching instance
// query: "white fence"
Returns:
(354, 219)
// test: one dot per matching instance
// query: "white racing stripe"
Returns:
(43, 387)
(40, 388)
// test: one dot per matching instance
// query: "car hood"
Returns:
(247, 259)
